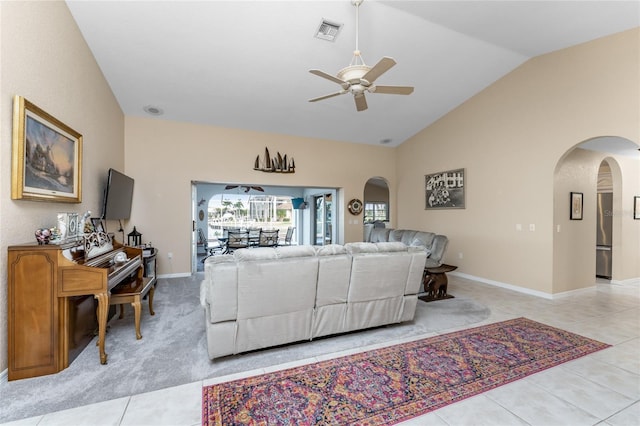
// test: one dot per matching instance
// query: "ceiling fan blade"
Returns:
(230, 187)
(361, 102)
(378, 69)
(328, 96)
(258, 188)
(328, 76)
(393, 90)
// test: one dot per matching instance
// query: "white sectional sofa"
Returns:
(261, 297)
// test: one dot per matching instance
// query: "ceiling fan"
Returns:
(358, 78)
(246, 188)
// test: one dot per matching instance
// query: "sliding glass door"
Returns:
(323, 229)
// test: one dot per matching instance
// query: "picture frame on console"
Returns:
(575, 206)
(445, 190)
(46, 156)
(97, 224)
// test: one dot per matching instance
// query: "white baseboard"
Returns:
(179, 275)
(629, 282)
(4, 375)
(503, 285)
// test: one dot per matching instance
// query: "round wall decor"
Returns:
(355, 206)
(201, 215)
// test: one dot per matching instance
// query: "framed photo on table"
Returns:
(576, 204)
(97, 224)
(46, 161)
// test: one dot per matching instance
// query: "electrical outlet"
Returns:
(518, 227)
(170, 255)
(460, 255)
(532, 227)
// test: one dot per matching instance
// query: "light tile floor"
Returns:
(602, 388)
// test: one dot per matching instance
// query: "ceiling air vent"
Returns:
(328, 30)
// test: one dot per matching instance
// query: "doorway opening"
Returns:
(604, 221)
(323, 223)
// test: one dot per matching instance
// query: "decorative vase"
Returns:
(43, 235)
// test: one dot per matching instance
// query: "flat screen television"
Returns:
(118, 196)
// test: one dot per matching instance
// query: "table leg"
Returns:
(152, 290)
(136, 311)
(103, 313)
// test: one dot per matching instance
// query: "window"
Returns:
(375, 211)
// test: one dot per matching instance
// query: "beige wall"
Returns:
(164, 157)
(44, 58)
(509, 138)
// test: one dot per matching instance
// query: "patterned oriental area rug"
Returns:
(394, 384)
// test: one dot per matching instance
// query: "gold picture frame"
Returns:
(46, 162)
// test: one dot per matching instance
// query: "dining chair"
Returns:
(237, 240)
(268, 238)
(202, 242)
(289, 236)
(254, 236)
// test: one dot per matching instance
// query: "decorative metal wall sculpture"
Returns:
(275, 164)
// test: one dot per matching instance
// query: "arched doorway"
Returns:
(376, 200)
(575, 239)
(604, 220)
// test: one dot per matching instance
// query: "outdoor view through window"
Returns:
(249, 211)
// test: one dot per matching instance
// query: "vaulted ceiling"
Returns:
(245, 64)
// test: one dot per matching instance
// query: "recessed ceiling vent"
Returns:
(328, 30)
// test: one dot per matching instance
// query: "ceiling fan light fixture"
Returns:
(358, 77)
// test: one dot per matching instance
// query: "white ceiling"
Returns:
(244, 64)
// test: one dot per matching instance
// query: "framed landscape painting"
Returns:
(46, 156)
(445, 190)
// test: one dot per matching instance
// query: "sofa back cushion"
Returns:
(276, 283)
(379, 234)
(376, 276)
(334, 271)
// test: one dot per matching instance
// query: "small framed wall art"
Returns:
(636, 207)
(576, 204)
(46, 162)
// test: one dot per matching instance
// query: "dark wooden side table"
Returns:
(435, 282)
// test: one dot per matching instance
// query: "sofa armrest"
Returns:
(219, 289)
(438, 248)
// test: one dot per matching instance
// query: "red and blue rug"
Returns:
(397, 383)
